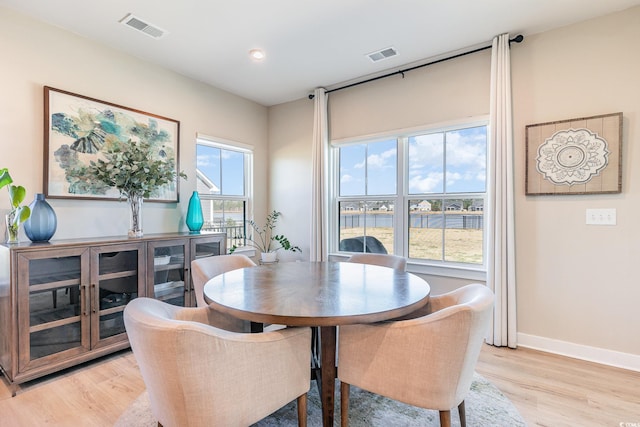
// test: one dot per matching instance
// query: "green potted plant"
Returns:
(18, 214)
(263, 239)
(137, 172)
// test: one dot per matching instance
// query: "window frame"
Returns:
(402, 197)
(248, 153)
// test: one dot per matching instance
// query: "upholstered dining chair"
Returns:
(203, 269)
(385, 260)
(425, 360)
(197, 374)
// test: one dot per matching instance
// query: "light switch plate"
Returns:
(601, 216)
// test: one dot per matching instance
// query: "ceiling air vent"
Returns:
(382, 54)
(141, 25)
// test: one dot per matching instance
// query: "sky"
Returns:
(370, 169)
(225, 168)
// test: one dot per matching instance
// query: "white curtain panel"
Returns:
(319, 203)
(501, 274)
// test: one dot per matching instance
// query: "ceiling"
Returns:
(307, 43)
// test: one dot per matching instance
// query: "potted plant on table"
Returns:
(263, 239)
(18, 214)
(137, 172)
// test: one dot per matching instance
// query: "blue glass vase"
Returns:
(41, 225)
(195, 219)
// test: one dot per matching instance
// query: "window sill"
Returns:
(453, 271)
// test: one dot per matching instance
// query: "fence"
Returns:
(235, 233)
(417, 220)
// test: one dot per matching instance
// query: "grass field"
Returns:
(462, 245)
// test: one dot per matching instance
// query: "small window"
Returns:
(223, 181)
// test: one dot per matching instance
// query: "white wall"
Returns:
(577, 291)
(576, 282)
(290, 129)
(35, 55)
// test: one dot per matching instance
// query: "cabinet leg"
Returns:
(13, 387)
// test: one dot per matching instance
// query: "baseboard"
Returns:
(583, 352)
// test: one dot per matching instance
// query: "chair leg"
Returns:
(344, 404)
(302, 410)
(445, 418)
(463, 414)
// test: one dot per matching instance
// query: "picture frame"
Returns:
(575, 156)
(77, 128)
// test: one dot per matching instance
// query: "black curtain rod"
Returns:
(516, 39)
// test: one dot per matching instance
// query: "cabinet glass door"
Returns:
(167, 278)
(208, 246)
(52, 306)
(204, 246)
(117, 278)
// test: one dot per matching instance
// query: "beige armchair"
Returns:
(385, 260)
(199, 375)
(426, 361)
(203, 269)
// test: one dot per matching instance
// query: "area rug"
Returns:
(485, 406)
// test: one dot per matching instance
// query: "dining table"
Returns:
(318, 294)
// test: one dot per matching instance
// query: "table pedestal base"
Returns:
(326, 375)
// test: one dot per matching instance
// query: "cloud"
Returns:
(428, 184)
(467, 151)
(425, 150)
(452, 177)
(381, 161)
(204, 160)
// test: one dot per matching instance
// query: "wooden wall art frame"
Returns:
(77, 127)
(576, 156)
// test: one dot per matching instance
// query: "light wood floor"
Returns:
(548, 390)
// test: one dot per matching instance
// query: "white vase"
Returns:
(269, 256)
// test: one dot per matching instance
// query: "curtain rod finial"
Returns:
(311, 96)
(517, 38)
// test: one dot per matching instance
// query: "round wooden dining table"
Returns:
(322, 294)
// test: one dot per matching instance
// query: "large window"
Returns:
(420, 195)
(223, 172)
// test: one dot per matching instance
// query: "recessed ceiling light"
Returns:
(256, 54)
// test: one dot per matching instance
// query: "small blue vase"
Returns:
(195, 219)
(42, 224)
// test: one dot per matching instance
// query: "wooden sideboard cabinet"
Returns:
(62, 302)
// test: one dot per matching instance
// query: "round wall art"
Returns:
(572, 156)
(576, 156)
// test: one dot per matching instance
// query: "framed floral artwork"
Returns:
(78, 129)
(576, 156)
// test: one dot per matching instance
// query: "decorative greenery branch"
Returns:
(17, 193)
(263, 239)
(134, 169)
